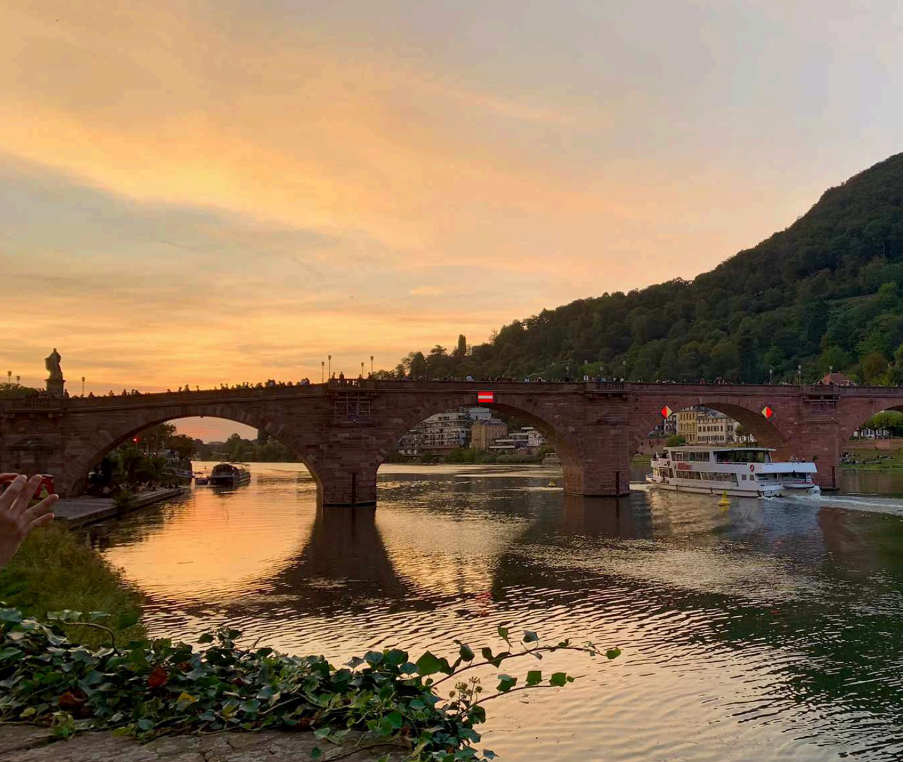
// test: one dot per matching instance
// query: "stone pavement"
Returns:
(22, 743)
(78, 511)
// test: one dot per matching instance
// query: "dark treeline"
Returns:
(238, 449)
(826, 292)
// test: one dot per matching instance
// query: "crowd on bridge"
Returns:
(601, 381)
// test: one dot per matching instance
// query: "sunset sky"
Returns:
(200, 192)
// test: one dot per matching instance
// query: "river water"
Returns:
(770, 629)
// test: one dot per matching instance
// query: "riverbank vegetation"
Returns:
(864, 459)
(239, 450)
(890, 421)
(153, 688)
(824, 293)
(55, 569)
(473, 455)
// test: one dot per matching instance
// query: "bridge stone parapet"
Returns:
(344, 431)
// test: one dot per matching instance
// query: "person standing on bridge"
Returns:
(17, 519)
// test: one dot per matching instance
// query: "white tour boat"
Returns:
(739, 471)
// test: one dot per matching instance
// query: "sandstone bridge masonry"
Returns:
(344, 431)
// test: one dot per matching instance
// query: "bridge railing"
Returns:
(608, 385)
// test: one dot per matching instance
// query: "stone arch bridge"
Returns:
(343, 431)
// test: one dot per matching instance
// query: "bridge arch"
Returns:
(104, 440)
(765, 432)
(857, 416)
(528, 409)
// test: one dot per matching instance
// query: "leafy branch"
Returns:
(156, 688)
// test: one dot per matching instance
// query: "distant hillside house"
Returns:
(836, 379)
(527, 440)
(485, 433)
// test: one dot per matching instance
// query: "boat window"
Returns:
(741, 456)
(680, 455)
(744, 477)
(701, 457)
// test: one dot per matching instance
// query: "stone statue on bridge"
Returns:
(55, 380)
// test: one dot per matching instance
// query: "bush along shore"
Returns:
(158, 687)
(56, 569)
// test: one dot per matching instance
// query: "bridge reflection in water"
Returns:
(770, 625)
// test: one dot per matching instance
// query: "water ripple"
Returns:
(771, 630)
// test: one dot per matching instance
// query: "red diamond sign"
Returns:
(767, 412)
(665, 411)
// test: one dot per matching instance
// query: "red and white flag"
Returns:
(486, 397)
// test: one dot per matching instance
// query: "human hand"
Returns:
(16, 518)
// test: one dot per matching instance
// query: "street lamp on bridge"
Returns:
(83, 386)
(329, 365)
(322, 371)
(371, 365)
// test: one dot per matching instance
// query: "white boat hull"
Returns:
(770, 491)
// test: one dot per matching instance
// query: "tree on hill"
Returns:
(824, 292)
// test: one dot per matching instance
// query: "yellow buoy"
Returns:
(725, 501)
(551, 484)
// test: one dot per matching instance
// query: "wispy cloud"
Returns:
(176, 185)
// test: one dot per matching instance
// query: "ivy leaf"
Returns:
(394, 719)
(322, 732)
(428, 664)
(612, 653)
(558, 679)
(207, 637)
(158, 677)
(465, 652)
(530, 637)
(185, 700)
(316, 753)
(503, 633)
(534, 677)
(395, 657)
(506, 683)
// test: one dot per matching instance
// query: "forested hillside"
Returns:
(824, 292)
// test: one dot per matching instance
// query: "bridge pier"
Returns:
(601, 465)
(820, 441)
(350, 488)
(345, 482)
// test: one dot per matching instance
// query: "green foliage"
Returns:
(160, 687)
(124, 500)
(676, 440)
(245, 450)
(54, 569)
(871, 459)
(887, 419)
(824, 292)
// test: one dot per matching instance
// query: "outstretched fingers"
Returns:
(19, 493)
(11, 494)
(41, 521)
(40, 512)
